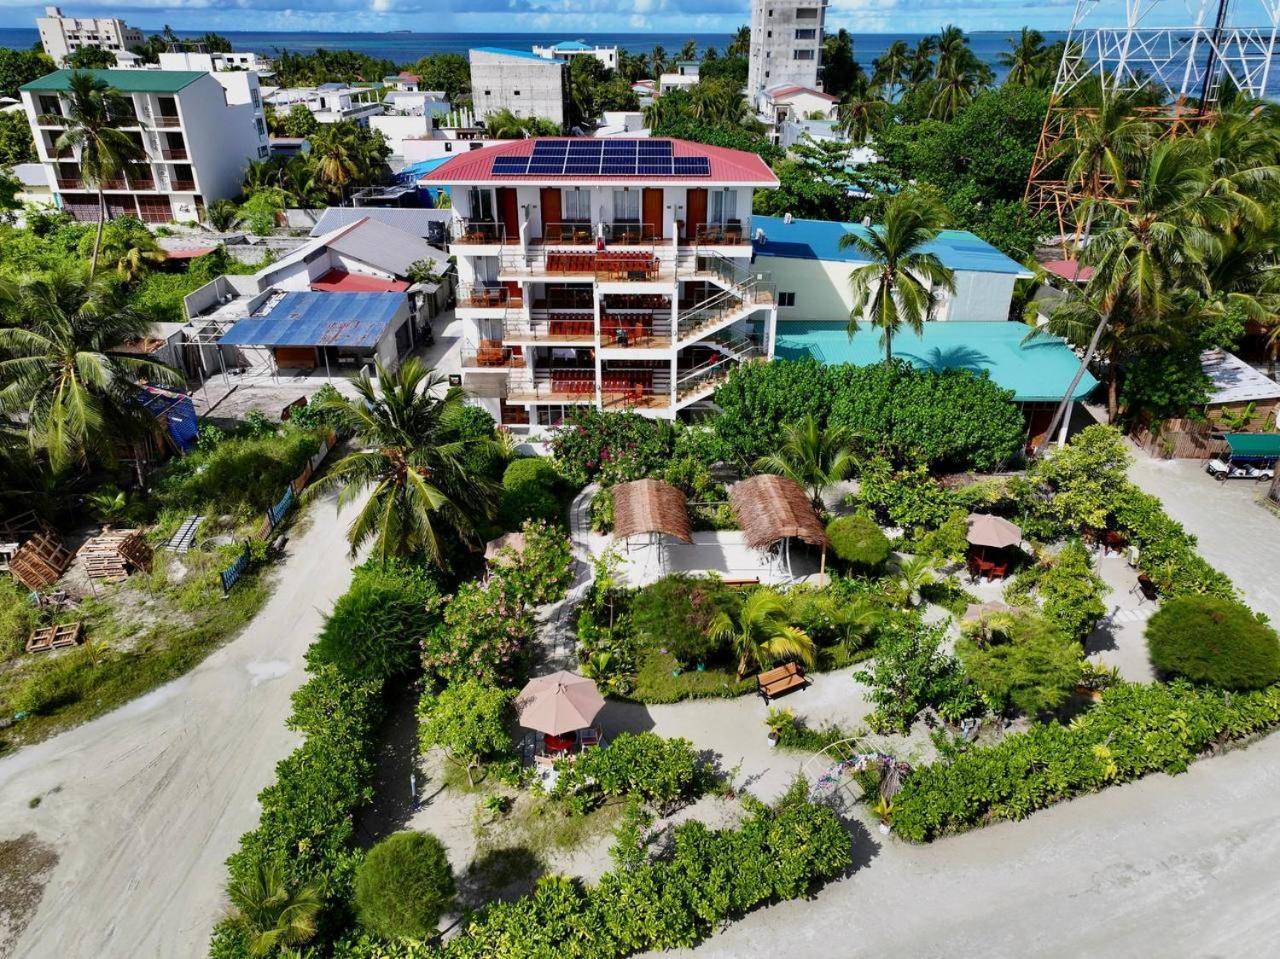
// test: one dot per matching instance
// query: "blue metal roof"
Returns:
(505, 52)
(421, 168)
(1037, 371)
(319, 319)
(572, 45)
(820, 240)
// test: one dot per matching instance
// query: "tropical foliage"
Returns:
(404, 885)
(1207, 639)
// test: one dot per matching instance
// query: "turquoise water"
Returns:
(1036, 372)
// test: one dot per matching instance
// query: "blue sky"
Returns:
(570, 17)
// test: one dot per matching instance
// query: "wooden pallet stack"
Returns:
(40, 561)
(113, 554)
(64, 636)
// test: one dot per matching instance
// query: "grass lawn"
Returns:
(660, 679)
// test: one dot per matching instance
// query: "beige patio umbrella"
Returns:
(977, 611)
(513, 541)
(558, 703)
(993, 531)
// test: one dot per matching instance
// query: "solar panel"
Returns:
(653, 166)
(581, 168)
(550, 147)
(546, 167)
(656, 147)
(510, 166)
(692, 166)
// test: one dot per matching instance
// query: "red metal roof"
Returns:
(727, 166)
(340, 281)
(779, 93)
(1071, 270)
(188, 253)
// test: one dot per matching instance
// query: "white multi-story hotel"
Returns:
(615, 273)
(568, 49)
(197, 131)
(786, 44)
(61, 35)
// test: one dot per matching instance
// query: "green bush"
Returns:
(486, 460)
(910, 499)
(469, 721)
(676, 611)
(1070, 592)
(1029, 665)
(542, 573)
(529, 492)
(910, 673)
(404, 886)
(1135, 730)
(1217, 641)
(758, 398)
(611, 447)
(18, 617)
(859, 542)
(662, 772)
(778, 852)
(376, 627)
(484, 634)
(239, 473)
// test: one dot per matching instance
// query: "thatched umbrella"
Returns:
(558, 703)
(772, 509)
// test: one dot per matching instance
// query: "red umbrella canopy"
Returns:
(558, 703)
(988, 530)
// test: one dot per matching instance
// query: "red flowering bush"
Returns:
(611, 447)
(484, 636)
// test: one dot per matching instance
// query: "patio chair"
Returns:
(589, 738)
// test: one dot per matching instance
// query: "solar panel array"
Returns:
(601, 158)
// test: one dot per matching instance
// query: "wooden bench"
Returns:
(742, 581)
(782, 679)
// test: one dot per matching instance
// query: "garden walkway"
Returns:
(557, 622)
(144, 804)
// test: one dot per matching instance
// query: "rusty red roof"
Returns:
(790, 90)
(727, 166)
(340, 281)
(1071, 270)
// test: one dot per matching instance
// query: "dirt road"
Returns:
(144, 804)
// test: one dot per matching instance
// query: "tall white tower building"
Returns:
(786, 43)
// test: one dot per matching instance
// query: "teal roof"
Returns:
(1036, 372)
(820, 240)
(126, 81)
(1256, 445)
(572, 45)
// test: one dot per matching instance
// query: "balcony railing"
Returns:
(567, 328)
(174, 154)
(491, 354)
(566, 384)
(730, 233)
(609, 266)
(113, 185)
(166, 122)
(477, 231)
(748, 295)
(182, 186)
(70, 183)
(482, 297)
(568, 234)
(635, 330)
(631, 234)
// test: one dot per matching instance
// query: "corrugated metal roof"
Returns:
(572, 45)
(385, 247)
(727, 166)
(126, 81)
(416, 221)
(1234, 380)
(340, 281)
(782, 91)
(320, 319)
(820, 240)
(1036, 372)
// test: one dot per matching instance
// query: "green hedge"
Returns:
(1166, 551)
(660, 771)
(777, 853)
(1208, 639)
(1135, 730)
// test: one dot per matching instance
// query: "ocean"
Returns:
(407, 47)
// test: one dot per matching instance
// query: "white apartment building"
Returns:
(568, 49)
(329, 102)
(61, 35)
(214, 62)
(614, 273)
(524, 83)
(786, 44)
(197, 131)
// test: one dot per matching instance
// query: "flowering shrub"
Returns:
(484, 636)
(611, 447)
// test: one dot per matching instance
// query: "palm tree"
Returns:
(740, 45)
(91, 128)
(131, 248)
(689, 51)
(1024, 57)
(914, 574)
(335, 159)
(223, 215)
(892, 70)
(1156, 252)
(423, 495)
(658, 61)
(814, 457)
(856, 620)
(951, 45)
(953, 90)
(903, 281)
(270, 912)
(922, 61)
(760, 633)
(863, 112)
(78, 399)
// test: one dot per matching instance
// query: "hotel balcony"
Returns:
(182, 186)
(558, 385)
(490, 297)
(549, 328)
(606, 266)
(166, 122)
(492, 355)
(174, 154)
(469, 232)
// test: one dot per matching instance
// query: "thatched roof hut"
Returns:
(650, 506)
(770, 508)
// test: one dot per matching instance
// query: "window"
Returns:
(806, 34)
(724, 206)
(786, 299)
(480, 203)
(577, 206)
(515, 93)
(626, 206)
(769, 34)
(488, 93)
(807, 13)
(475, 146)
(802, 55)
(448, 147)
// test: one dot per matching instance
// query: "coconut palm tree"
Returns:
(424, 496)
(953, 88)
(689, 51)
(273, 914)
(863, 112)
(95, 112)
(740, 45)
(1025, 57)
(78, 399)
(335, 159)
(903, 281)
(891, 70)
(856, 620)
(223, 215)
(922, 61)
(760, 633)
(915, 573)
(658, 61)
(814, 457)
